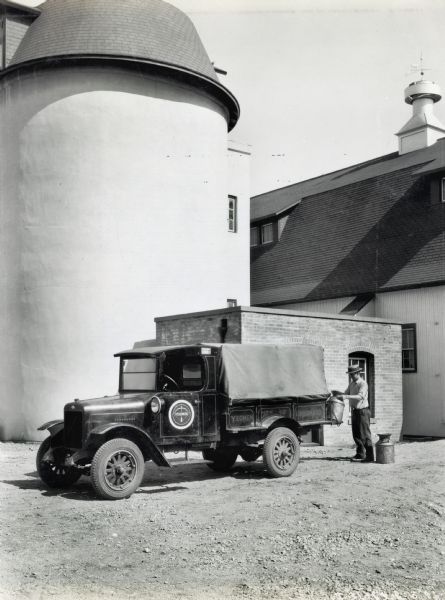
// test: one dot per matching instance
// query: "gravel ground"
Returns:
(334, 530)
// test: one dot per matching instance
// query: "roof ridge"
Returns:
(355, 166)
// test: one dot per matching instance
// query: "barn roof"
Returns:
(372, 227)
(280, 200)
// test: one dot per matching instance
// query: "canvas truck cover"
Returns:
(267, 371)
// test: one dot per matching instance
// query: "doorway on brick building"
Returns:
(366, 362)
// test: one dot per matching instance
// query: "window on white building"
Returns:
(409, 348)
(232, 216)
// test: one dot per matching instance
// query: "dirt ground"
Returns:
(334, 530)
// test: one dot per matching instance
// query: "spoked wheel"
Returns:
(281, 452)
(222, 459)
(54, 475)
(117, 469)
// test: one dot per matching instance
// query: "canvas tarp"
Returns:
(266, 371)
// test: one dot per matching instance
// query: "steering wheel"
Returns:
(171, 380)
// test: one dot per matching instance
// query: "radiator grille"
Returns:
(73, 429)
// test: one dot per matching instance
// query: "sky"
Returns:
(320, 82)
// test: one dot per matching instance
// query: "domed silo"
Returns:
(114, 175)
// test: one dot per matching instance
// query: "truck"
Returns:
(224, 400)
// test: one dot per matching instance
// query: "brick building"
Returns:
(344, 338)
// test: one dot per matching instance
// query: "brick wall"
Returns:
(200, 327)
(338, 335)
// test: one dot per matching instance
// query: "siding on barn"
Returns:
(424, 390)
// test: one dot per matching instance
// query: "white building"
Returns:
(121, 198)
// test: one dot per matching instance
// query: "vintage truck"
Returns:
(222, 399)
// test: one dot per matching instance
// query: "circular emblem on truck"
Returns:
(181, 414)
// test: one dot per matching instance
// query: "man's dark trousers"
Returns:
(361, 432)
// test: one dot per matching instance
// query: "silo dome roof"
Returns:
(148, 31)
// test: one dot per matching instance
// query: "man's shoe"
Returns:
(358, 458)
(368, 459)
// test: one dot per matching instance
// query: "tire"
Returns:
(52, 474)
(117, 469)
(222, 459)
(281, 452)
(250, 454)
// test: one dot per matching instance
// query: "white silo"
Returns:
(115, 184)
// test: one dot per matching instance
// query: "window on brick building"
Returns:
(409, 348)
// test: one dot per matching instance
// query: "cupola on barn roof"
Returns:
(149, 32)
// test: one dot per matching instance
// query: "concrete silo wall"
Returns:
(115, 211)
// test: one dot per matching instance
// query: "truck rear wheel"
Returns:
(53, 474)
(222, 459)
(117, 469)
(281, 452)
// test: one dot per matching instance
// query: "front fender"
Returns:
(52, 426)
(105, 432)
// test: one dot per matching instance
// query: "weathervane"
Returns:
(420, 68)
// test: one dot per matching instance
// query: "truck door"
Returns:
(191, 410)
(182, 416)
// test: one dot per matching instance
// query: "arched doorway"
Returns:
(366, 362)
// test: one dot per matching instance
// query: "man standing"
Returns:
(357, 394)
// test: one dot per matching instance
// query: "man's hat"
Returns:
(354, 369)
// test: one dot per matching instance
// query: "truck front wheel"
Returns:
(52, 473)
(222, 459)
(117, 469)
(281, 452)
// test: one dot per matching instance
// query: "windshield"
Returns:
(138, 374)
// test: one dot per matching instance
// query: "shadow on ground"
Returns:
(156, 480)
(327, 458)
(161, 480)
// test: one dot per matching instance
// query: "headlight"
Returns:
(156, 405)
